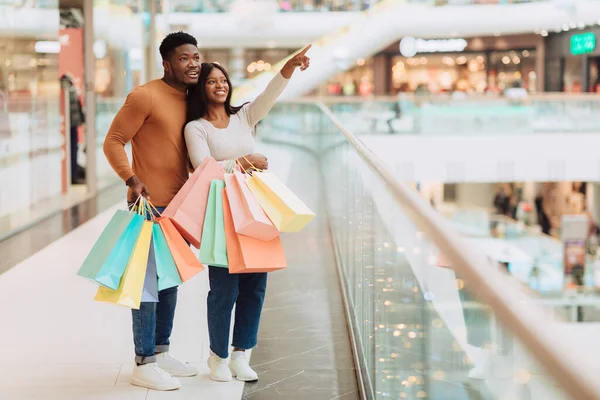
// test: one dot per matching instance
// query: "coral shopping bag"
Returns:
(105, 244)
(249, 218)
(185, 260)
(246, 254)
(129, 292)
(213, 250)
(166, 269)
(287, 212)
(188, 207)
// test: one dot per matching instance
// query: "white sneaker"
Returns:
(174, 366)
(240, 367)
(151, 376)
(219, 370)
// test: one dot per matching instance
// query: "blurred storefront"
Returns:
(572, 61)
(478, 65)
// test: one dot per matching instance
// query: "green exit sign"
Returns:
(583, 43)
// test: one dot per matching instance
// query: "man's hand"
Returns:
(255, 160)
(137, 189)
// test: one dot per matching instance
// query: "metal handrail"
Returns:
(529, 322)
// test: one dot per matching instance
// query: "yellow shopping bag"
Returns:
(129, 292)
(287, 212)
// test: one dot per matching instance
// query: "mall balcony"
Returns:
(416, 279)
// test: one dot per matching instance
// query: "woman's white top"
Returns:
(237, 139)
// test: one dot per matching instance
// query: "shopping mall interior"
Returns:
(440, 144)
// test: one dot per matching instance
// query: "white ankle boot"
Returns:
(240, 367)
(219, 370)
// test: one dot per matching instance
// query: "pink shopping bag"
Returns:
(249, 218)
(187, 208)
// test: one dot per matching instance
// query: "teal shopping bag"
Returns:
(105, 244)
(213, 250)
(113, 268)
(166, 269)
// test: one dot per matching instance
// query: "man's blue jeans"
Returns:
(247, 292)
(152, 325)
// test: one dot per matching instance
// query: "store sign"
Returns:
(409, 46)
(583, 43)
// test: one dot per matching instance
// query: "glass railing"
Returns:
(430, 316)
(534, 259)
(30, 160)
(471, 115)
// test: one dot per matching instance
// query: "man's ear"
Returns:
(166, 66)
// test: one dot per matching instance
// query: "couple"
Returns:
(197, 96)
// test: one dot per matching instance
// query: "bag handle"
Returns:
(153, 209)
(252, 165)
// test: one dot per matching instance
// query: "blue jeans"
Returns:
(152, 325)
(247, 292)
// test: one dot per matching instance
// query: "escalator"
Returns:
(390, 20)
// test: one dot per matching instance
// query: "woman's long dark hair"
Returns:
(197, 102)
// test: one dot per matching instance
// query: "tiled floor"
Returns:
(304, 351)
(60, 344)
(66, 346)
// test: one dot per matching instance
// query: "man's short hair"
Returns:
(173, 41)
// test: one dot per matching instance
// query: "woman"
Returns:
(217, 129)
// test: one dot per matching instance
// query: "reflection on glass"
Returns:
(30, 140)
(419, 330)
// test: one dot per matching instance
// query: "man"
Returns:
(152, 118)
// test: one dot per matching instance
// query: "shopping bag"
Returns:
(185, 260)
(246, 254)
(113, 268)
(150, 290)
(189, 205)
(249, 218)
(287, 212)
(213, 249)
(129, 292)
(105, 244)
(168, 276)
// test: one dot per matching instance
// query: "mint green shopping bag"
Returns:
(166, 269)
(113, 268)
(213, 250)
(105, 244)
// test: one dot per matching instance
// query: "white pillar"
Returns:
(89, 63)
(152, 73)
